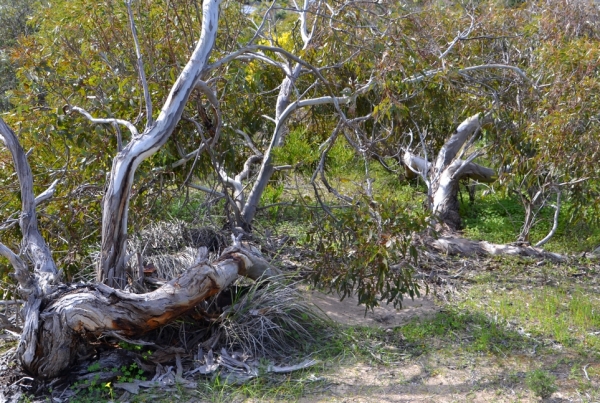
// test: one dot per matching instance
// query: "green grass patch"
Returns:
(472, 331)
(564, 315)
(498, 219)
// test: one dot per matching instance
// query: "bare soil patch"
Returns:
(348, 312)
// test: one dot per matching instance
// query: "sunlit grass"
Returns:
(565, 316)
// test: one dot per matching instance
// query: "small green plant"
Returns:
(368, 250)
(95, 367)
(129, 346)
(131, 373)
(541, 383)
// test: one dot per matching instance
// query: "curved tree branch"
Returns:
(111, 268)
(33, 242)
(132, 129)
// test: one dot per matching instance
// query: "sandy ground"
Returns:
(421, 379)
(348, 312)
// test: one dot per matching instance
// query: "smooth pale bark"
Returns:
(267, 168)
(472, 170)
(467, 247)
(443, 177)
(449, 169)
(113, 256)
(59, 319)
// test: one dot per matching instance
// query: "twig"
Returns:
(206, 189)
(554, 223)
(140, 64)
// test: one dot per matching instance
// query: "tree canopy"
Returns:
(366, 82)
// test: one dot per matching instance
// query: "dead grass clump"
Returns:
(271, 319)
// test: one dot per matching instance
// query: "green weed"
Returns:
(541, 383)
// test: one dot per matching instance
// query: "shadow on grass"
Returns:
(472, 331)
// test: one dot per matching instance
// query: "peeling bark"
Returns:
(59, 319)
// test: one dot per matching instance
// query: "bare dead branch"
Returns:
(248, 140)
(46, 194)
(22, 274)
(554, 222)
(132, 129)
(206, 189)
(33, 241)
(140, 65)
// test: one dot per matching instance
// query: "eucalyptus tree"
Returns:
(59, 317)
(515, 77)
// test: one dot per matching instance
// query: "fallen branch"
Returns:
(467, 247)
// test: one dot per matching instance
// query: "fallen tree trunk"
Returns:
(467, 247)
(74, 314)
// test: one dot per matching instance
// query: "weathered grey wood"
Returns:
(468, 247)
(98, 309)
(45, 274)
(113, 256)
(55, 332)
(34, 244)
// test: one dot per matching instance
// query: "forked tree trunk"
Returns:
(445, 175)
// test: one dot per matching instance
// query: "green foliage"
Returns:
(300, 147)
(368, 250)
(541, 383)
(497, 218)
(13, 24)
(82, 54)
(94, 390)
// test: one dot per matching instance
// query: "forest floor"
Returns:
(491, 330)
(488, 330)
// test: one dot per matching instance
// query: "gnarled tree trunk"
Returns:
(59, 319)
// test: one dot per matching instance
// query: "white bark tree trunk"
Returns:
(267, 168)
(447, 172)
(113, 258)
(60, 318)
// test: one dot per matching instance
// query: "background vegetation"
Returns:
(534, 65)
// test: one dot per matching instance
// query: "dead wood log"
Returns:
(467, 247)
(73, 315)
